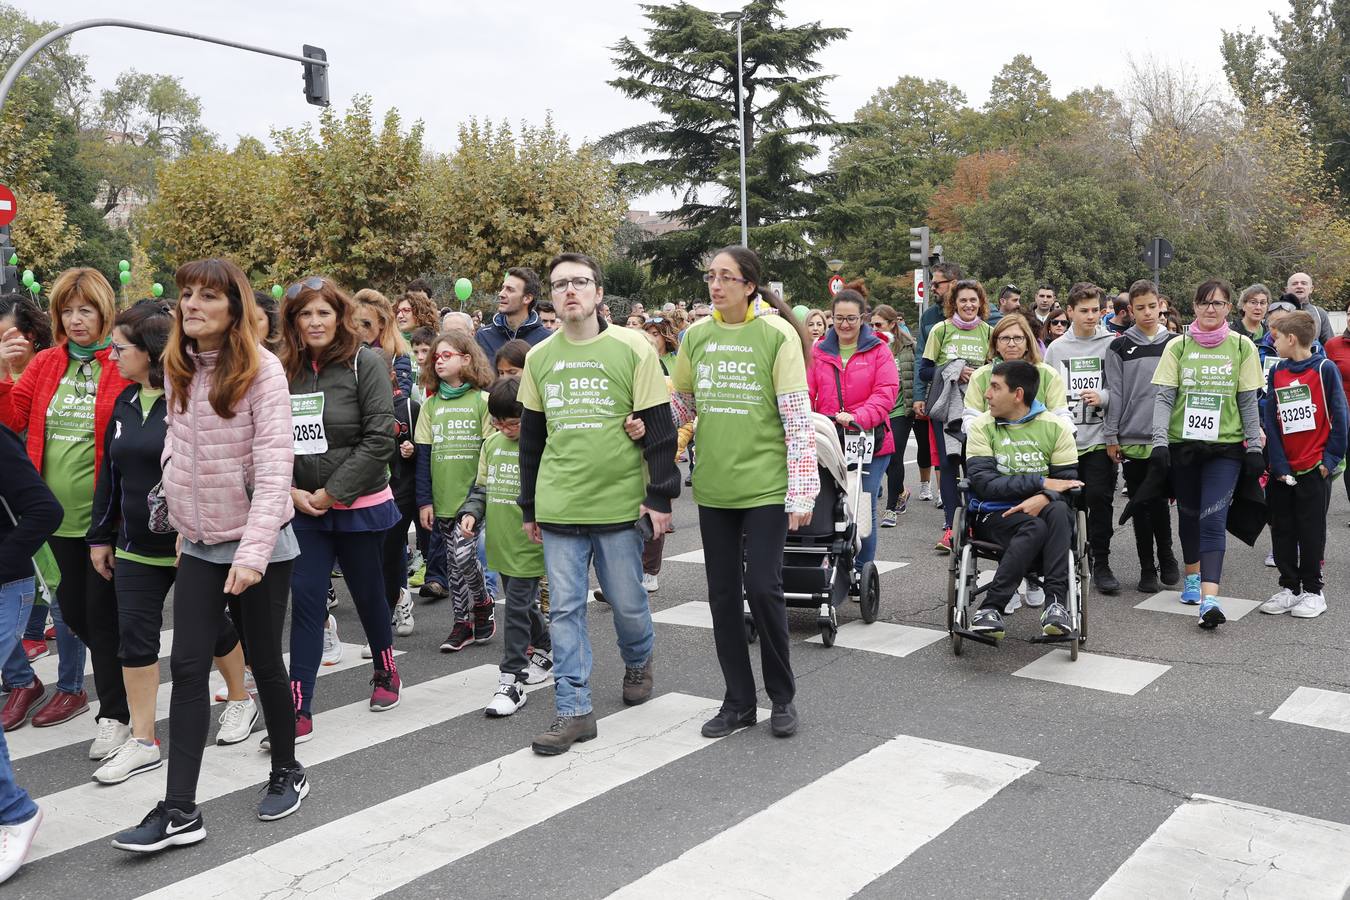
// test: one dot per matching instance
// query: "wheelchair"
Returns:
(964, 590)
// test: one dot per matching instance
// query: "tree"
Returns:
(687, 69)
(1021, 111)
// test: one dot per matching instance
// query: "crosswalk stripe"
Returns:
(1317, 708)
(889, 802)
(30, 741)
(46, 668)
(1170, 602)
(696, 556)
(90, 811)
(883, 637)
(1093, 670)
(1213, 848)
(373, 852)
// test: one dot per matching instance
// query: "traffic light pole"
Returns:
(51, 37)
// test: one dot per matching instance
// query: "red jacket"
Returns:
(870, 382)
(23, 405)
(1338, 351)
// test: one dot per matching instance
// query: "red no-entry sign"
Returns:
(9, 205)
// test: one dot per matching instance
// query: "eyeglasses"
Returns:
(938, 284)
(313, 283)
(655, 320)
(1212, 304)
(580, 283)
(1012, 338)
(712, 277)
(448, 354)
(116, 349)
(400, 310)
(848, 320)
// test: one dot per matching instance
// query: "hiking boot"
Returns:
(637, 684)
(434, 590)
(563, 733)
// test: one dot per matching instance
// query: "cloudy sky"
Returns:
(445, 61)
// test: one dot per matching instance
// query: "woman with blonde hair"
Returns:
(1013, 338)
(816, 324)
(377, 327)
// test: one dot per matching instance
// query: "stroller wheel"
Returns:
(869, 589)
(956, 644)
(828, 624)
(751, 632)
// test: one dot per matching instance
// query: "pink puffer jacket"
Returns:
(213, 465)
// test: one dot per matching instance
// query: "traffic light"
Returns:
(9, 275)
(316, 77)
(918, 246)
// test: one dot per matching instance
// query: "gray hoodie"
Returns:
(1089, 420)
(1130, 364)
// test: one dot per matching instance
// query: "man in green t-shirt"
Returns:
(1020, 459)
(585, 485)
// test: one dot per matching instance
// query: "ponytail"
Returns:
(748, 262)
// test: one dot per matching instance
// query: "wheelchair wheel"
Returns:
(751, 632)
(1075, 601)
(869, 589)
(964, 584)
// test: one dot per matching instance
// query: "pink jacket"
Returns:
(230, 479)
(870, 382)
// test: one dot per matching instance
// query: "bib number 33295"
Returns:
(307, 424)
(1296, 408)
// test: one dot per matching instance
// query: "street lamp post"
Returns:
(739, 18)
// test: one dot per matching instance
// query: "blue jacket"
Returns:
(492, 337)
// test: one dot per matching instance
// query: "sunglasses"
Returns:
(1062, 323)
(313, 283)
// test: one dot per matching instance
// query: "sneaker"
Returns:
(650, 583)
(162, 827)
(285, 789)
(541, 667)
(510, 697)
(937, 502)
(944, 545)
(460, 637)
(237, 721)
(337, 569)
(403, 613)
(35, 650)
(332, 647)
(1281, 603)
(1055, 620)
(434, 590)
(599, 596)
(15, 841)
(62, 707)
(563, 733)
(365, 652)
(1104, 579)
(415, 563)
(988, 620)
(50, 633)
(1270, 560)
(925, 491)
(1035, 597)
(783, 720)
(726, 721)
(1148, 582)
(20, 703)
(1190, 592)
(637, 683)
(250, 687)
(132, 758)
(1169, 573)
(304, 731)
(112, 734)
(417, 577)
(1309, 606)
(903, 506)
(1211, 615)
(386, 690)
(484, 622)
(331, 601)
(1013, 605)
(888, 518)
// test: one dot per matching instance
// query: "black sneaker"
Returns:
(1105, 579)
(162, 827)
(460, 637)
(988, 620)
(434, 590)
(1169, 573)
(1055, 620)
(783, 720)
(1148, 582)
(726, 721)
(285, 789)
(484, 622)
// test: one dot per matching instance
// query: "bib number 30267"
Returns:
(1296, 408)
(1085, 374)
(1200, 420)
(307, 424)
(859, 447)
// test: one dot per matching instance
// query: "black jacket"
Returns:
(31, 502)
(131, 453)
(1247, 510)
(403, 472)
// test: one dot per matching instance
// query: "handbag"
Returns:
(159, 508)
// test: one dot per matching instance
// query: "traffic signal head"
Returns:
(918, 245)
(316, 77)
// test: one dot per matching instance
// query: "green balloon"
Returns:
(124, 276)
(157, 289)
(463, 288)
(277, 291)
(27, 276)
(124, 265)
(801, 312)
(35, 287)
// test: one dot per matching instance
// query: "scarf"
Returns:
(963, 324)
(749, 314)
(85, 352)
(1207, 338)
(446, 392)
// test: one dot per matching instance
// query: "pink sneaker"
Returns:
(387, 687)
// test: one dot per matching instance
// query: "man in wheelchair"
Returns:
(1020, 458)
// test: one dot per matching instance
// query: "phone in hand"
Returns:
(646, 528)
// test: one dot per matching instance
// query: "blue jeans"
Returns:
(70, 652)
(16, 599)
(871, 485)
(618, 568)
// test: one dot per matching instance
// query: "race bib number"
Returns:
(307, 424)
(859, 447)
(1296, 408)
(1085, 374)
(1201, 417)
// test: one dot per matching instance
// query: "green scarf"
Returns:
(446, 392)
(85, 353)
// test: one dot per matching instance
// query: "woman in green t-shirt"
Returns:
(1012, 338)
(744, 376)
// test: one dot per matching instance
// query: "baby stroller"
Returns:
(818, 558)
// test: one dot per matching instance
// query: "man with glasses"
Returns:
(700, 311)
(583, 490)
(516, 318)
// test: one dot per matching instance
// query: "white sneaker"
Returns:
(365, 652)
(332, 597)
(1309, 606)
(541, 667)
(237, 721)
(1281, 603)
(403, 614)
(112, 734)
(1013, 605)
(937, 502)
(510, 697)
(332, 647)
(250, 687)
(1270, 560)
(925, 491)
(650, 583)
(14, 843)
(1035, 597)
(415, 561)
(132, 758)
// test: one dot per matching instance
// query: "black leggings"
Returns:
(89, 607)
(141, 590)
(199, 603)
(895, 469)
(745, 547)
(396, 560)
